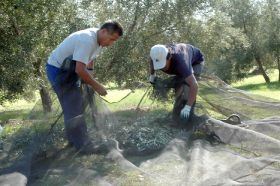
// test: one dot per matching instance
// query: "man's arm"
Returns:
(81, 70)
(185, 112)
(193, 89)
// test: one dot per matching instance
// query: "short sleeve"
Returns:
(197, 55)
(96, 53)
(82, 51)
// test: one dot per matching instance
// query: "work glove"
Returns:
(152, 78)
(185, 112)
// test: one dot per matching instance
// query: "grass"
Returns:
(126, 108)
(132, 100)
(20, 109)
(15, 110)
(129, 102)
(257, 85)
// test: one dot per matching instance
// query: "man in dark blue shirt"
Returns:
(186, 63)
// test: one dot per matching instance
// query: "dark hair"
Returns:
(112, 27)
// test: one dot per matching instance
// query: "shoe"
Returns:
(191, 124)
(198, 120)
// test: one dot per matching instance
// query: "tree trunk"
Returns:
(265, 76)
(278, 62)
(46, 100)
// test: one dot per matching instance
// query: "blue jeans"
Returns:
(72, 103)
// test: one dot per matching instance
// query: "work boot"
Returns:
(191, 124)
(98, 147)
(76, 131)
(202, 124)
(197, 121)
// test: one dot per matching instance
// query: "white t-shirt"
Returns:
(82, 45)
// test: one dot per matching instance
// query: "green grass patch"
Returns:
(15, 114)
(17, 109)
(133, 99)
(257, 85)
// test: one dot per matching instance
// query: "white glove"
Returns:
(185, 112)
(152, 78)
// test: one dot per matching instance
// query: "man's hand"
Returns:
(185, 112)
(101, 90)
(88, 79)
(152, 78)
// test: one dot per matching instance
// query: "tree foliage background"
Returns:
(236, 36)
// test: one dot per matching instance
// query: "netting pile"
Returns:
(218, 151)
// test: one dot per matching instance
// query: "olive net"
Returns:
(234, 140)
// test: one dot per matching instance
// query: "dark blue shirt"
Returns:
(183, 57)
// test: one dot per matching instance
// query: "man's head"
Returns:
(108, 33)
(159, 54)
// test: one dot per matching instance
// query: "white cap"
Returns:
(158, 55)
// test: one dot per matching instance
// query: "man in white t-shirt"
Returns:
(71, 61)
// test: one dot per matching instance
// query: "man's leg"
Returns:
(71, 101)
(181, 93)
(180, 101)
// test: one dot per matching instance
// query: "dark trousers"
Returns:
(72, 103)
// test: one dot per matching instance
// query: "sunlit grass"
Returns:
(257, 85)
(257, 79)
(16, 105)
(18, 109)
(133, 99)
